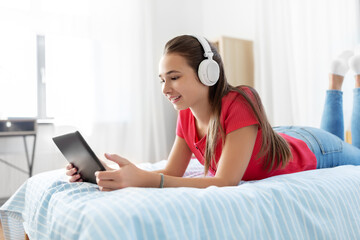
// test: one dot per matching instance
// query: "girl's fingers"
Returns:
(75, 178)
(106, 175)
(107, 184)
(117, 159)
(69, 166)
(104, 189)
(71, 172)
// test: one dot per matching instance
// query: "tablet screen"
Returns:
(77, 152)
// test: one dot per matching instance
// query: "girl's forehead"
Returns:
(173, 58)
(172, 62)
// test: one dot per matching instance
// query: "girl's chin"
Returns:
(177, 107)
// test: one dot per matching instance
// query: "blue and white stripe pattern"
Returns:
(316, 204)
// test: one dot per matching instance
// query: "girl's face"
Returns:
(180, 84)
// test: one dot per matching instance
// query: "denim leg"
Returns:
(333, 117)
(355, 119)
(330, 150)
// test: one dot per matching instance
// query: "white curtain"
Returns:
(294, 44)
(17, 61)
(101, 77)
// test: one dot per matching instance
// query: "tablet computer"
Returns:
(77, 152)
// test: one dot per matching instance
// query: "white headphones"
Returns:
(208, 70)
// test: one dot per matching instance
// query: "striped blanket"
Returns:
(316, 204)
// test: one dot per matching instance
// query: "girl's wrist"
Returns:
(153, 180)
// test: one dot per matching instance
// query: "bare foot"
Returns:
(336, 81)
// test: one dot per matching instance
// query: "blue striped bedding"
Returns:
(317, 204)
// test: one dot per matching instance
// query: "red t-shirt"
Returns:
(237, 113)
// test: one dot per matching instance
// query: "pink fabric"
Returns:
(237, 113)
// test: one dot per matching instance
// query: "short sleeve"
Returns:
(179, 128)
(237, 112)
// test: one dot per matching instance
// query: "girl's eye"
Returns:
(170, 78)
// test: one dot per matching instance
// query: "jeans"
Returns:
(328, 143)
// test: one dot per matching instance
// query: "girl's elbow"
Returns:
(233, 183)
(228, 182)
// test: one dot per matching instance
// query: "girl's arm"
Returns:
(178, 159)
(233, 162)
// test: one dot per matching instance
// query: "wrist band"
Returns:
(162, 180)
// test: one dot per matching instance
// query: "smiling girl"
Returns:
(227, 130)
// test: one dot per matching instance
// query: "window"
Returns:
(55, 52)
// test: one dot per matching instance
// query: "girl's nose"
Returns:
(166, 88)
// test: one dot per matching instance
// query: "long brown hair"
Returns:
(274, 147)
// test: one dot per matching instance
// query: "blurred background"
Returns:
(92, 66)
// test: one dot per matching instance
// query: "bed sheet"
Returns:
(316, 204)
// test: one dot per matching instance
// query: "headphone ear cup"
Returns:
(209, 72)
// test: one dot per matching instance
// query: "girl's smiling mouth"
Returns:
(174, 99)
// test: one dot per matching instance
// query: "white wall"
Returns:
(232, 18)
(170, 19)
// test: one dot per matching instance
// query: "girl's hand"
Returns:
(127, 176)
(74, 176)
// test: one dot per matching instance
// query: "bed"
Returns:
(316, 204)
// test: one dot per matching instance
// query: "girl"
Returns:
(226, 128)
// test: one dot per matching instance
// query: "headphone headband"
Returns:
(207, 49)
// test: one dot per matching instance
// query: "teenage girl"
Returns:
(227, 130)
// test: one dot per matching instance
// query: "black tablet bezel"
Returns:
(87, 169)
